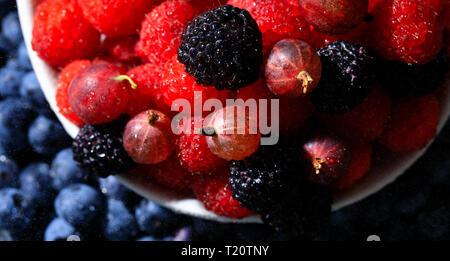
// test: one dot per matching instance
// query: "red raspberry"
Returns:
(177, 84)
(293, 113)
(193, 151)
(122, 49)
(161, 31)
(277, 20)
(407, 30)
(202, 6)
(116, 17)
(62, 91)
(356, 36)
(372, 4)
(364, 123)
(168, 174)
(148, 93)
(215, 193)
(413, 124)
(360, 163)
(61, 34)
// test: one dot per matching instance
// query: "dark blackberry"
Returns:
(305, 215)
(99, 150)
(347, 77)
(404, 80)
(269, 176)
(222, 48)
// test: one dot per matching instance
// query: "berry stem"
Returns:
(153, 117)
(126, 78)
(317, 163)
(306, 80)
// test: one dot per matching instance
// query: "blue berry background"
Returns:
(45, 196)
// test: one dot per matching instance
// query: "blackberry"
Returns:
(347, 77)
(405, 80)
(99, 150)
(222, 48)
(269, 176)
(305, 215)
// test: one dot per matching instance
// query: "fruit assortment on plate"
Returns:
(348, 75)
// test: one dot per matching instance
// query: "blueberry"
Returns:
(11, 28)
(183, 234)
(16, 114)
(435, 224)
(8, 172)
(23, 58)
(65, 171)
(5, 45)
(36, 182)
(155, 220)
(80, 205)
(17, 211)
(10, 79)
(112, 188)
(47, 136)
(208, 230)
(30, 90)
(59, 230)
(147, 239)
(120, 223)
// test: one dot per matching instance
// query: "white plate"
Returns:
(385, 169)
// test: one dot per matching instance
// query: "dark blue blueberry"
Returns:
(5, 45)
(80, 205)
(36, 182)
(13, 63)
(59, 230)
(112, 188)
(435, 224)
(30, 90)
(65, 171)
(10, 79)
(154, 219)
(17, 211)
(16, 114)
(8, 172)
(12, 142)
(23, 58)
(120, 224)
(183, 234)
(208, 230)
(11, 29)
(412, 204)
(147, 239)
(47, 136)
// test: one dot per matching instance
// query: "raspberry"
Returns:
(122, 48)
(215, 193)
(62, 91)
(277, 20)
(360, 163)
(193, 151)
(177, 84)
(168, 174)
(116, 17)
(407, 30)
(148, 93)
(161, 31)
(61, 34)
(200, 6)
(413, 124)
(356, 36)
(365, 122)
